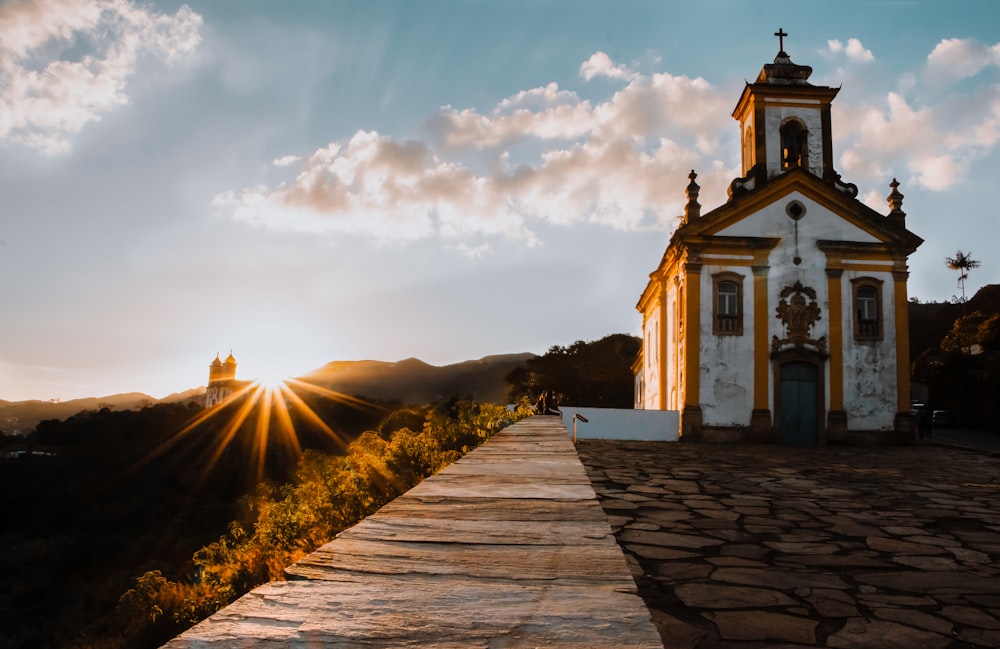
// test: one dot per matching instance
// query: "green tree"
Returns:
(963, 263)
(970, 331)
(597, 374)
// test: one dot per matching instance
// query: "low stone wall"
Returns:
(624, 424)
(508, 547)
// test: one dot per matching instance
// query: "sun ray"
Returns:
(332, 394)
(266, 415)
(232, 427)
(285, 420)
(261, 430)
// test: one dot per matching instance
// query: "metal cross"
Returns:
(781, 39)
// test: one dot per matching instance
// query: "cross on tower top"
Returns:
(781, 41)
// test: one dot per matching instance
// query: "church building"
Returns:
(781, 315)
(222, 381)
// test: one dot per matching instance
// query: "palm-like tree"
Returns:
(963, 263)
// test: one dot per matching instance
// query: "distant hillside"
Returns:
(931, 321)
(410, 381)
(414, 381)
(21, 417)
(194, 394)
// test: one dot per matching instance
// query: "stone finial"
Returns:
(896, 214)
(692, 210)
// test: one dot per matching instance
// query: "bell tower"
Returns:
(784, 122)
(221, 380)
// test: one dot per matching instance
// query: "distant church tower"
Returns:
(221, 380)
(781, 315)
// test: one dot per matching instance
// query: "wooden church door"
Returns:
(799, 404)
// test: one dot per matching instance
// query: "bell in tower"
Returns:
(785, 123)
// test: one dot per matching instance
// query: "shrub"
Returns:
(328, 494)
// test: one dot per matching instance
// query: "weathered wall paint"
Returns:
(870, 365)
(726, 361)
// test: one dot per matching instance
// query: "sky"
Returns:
(303, 182)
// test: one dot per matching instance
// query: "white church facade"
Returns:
(781, 315)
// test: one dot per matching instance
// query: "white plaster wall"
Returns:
(870, 385)
(672, 342)
(811, 117)
(619, 423)
(726, 362)
(818, 223)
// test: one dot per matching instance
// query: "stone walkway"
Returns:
(507, 547)
(753, 546)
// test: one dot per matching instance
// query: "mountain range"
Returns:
(409, 381)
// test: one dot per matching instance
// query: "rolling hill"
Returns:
(414, 381)
(409, 381)
(21, 417)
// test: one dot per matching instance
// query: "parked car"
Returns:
(941, 419)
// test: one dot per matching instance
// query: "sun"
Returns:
(272, 376)
(272, 380)
(261, 414)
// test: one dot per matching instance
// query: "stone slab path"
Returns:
(765, 546)
(508, 547)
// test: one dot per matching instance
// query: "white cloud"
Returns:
(873, 199)
(48, 90)
(896, 134)
(474, 252)
(544, 113)
(854, 50)
(960, 58)
(686, 109)
(285, 161)
(600, 65)
(927, 132)
(546, 155)
(622, 163)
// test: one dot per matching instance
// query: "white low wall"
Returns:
(624, 424)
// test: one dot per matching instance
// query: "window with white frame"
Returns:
(728, 304)
(867, 308)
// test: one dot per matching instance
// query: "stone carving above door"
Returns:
(798, 310)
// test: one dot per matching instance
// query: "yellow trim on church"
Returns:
(761, 362)
(902, 340)
(835, 291)
(692, 334)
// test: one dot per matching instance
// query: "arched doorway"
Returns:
(799, 403)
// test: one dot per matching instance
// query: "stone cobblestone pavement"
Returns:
(763, 546)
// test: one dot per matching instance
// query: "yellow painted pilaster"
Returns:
(676, 346)
(761, 360)
(661, 348)
(902, 340)
(692, 334)
(835, 291)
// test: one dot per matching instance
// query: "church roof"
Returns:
(842, 203)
